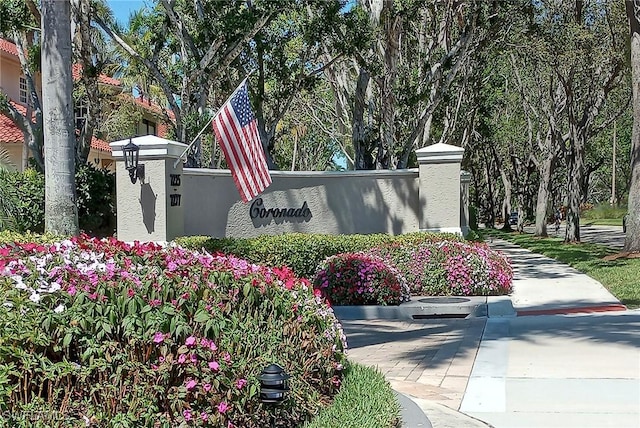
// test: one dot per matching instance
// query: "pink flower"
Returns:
(193, 358)
(72, 290)
(191, 384)
(191, 341)
(230, 425)
(206, 387)
(158, 337)
(130, 292)
(204, 416)
(213, 365)
(240, 383)
(213, 346)
(154, 302)
(223, 407)
(204, 342)
(182, 358)
(227, 358)
(161, 359)
(187, 415)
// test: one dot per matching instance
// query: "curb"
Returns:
(446, 417)
(411, 414)
(419, 307)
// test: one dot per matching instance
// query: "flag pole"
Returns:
(175, 164)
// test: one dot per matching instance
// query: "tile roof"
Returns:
(8, 47)
(10, 133)
(98, 144)
(148, 105)
(76, 71)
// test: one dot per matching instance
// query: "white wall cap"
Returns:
(151, 147)
(381, 173)
(440, 153)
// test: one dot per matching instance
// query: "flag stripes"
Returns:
(237, 133)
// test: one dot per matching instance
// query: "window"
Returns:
(148, 127)
(23, 90)
(80, 113)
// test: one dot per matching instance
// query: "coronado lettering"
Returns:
(257, 210)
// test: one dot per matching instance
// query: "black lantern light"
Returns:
(273, 384)
(130, 152)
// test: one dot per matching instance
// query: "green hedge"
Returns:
(304, 252)
(95, 196)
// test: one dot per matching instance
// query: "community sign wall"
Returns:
(172, 201)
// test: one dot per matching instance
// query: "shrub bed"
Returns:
(304, 252)
(141, 335)
(360, 279)
(449, 268)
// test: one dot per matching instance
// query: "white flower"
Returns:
(35, 297)
(59, 308)
(19, 284)
(8, 304)
(54, 286)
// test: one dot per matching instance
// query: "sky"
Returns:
(123, 8)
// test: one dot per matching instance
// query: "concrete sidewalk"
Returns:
(572, 369)
(579, 370)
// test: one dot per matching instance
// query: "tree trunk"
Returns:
(89, 78)
(506, 203)
(392, 24)
(632, 239)
(358, 128)
(61, 215)
(544, 189)
(574, 180)
(491, 212)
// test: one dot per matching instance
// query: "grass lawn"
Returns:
(621, 276)
(602, 222)
(365, 401)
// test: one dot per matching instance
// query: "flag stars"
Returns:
(241, 106)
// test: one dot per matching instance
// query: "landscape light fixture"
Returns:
(273, 384)
(131, 152)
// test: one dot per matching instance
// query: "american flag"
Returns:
(237, 133)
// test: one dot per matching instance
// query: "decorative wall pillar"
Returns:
(152, 208)
(440, 188)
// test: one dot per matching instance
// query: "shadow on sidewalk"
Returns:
(425, 343)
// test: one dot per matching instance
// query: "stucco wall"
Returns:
(144, 209)
(172, 201)
(338, 203)
(14, 150)
(10, 73)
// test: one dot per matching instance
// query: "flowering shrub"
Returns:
(114, 334)
(303, 252)
(360, 279)
(450, 268)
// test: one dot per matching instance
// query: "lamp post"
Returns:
(131, 152)
(273, 384)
